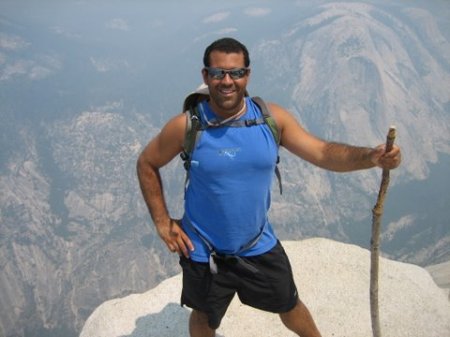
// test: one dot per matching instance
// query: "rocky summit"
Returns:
(333, 280)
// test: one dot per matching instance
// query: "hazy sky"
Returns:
(117, 26)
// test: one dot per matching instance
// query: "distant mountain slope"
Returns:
(348, 72)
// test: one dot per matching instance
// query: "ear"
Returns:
(205, 76)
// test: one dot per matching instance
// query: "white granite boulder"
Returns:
(332, 279)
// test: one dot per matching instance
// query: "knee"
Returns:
(199, 325)
(198, 318)
(300, 321)
(290, 317)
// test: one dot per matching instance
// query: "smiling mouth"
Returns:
(227, 92)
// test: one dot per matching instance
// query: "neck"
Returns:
(241, 110)
(231, 117)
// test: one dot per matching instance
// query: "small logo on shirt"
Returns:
(229, 152)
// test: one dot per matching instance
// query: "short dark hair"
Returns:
(227, 45)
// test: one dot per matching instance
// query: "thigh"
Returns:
(272, 287)
(205, 292)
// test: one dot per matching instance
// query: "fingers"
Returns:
(176, 239)
(181, 245)
(188, 246)
(387, 160)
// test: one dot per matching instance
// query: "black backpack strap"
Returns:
(193, 126)
(269, 120)
(239, 123)
(271, 123)
(192, 134)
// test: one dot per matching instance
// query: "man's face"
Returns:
(226, 93)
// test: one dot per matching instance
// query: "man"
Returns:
(228, 197)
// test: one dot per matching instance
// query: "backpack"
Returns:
(194, 127)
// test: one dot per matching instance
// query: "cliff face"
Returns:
(332, 279)
(70, 219)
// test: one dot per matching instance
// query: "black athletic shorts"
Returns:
(264, 282)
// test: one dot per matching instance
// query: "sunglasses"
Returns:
(219, 73)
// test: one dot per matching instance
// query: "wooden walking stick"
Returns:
(377, 213)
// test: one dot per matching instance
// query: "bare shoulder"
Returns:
(167, 143)
(276, 109)
(294, 137)
(174, 129)
(282, 117)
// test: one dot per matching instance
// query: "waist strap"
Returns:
(234, 258)
(230, 260)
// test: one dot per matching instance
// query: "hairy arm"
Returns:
(330, 155)
(160, 151)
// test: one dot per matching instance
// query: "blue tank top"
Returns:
(228, 195)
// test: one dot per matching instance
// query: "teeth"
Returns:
(226, 91)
